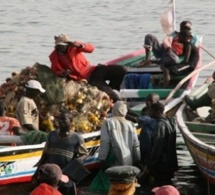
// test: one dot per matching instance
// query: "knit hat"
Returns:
(61, 39)
(52, 172)
(165, 190)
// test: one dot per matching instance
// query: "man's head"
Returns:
(156, 110)
(34, 88)
(51, 174)
(185, 25)
(152, 98)
(185, 36)
(61, 43)
(65, 119)
(165, 190)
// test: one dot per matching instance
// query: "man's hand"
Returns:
(73, 44)
(66, 73)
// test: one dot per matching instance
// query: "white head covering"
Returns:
(119, 109)
(33, 84)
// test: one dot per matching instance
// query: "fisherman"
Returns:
(163, 158)
(147, 124)
(49, 178)
(119, 144)
(123, 180)
(26, 110)
(167, 53)
(63, 146)
(68, 60)
(119, 138)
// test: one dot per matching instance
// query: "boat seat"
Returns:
(154, 68)
(201, 127)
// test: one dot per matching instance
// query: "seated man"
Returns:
(173, 46)
(68, 60)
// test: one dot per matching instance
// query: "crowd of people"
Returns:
(149, 158)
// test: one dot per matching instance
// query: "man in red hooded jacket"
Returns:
(68, 60)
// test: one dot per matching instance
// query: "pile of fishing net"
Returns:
(88, 104)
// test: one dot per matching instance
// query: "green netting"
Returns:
(52, 83)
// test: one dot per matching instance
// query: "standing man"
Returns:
(68, 60)
(26, 109)
(163, 158)
(119, 138)
(62, 147)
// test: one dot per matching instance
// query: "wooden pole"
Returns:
(186, 78)
(208, 52)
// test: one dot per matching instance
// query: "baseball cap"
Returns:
(52, 172)
(165, 190)
(33, 84)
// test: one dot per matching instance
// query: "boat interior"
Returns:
(195, 121)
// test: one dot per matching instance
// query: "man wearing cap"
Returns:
(26, 109)
(68, 60)
(123, 179)
(49, 177)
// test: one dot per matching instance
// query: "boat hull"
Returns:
(202, 153)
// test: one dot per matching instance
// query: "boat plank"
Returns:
(201, 127)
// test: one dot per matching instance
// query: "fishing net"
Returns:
(88, 104)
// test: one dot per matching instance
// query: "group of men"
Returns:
(118, 135)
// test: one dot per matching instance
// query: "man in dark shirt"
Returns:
(163, 158)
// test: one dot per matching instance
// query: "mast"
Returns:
(174, 15)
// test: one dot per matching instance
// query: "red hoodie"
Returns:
(45, 189)
(74, 60)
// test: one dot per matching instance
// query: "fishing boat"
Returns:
(199, 135)
(17, 163)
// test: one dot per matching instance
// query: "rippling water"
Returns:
(115, 27)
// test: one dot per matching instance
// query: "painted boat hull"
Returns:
(17, 163)
(202, 153)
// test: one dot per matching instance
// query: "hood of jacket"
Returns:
(119, 109)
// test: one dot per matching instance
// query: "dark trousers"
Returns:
(165, 57)
(114, 74)
(204, 100)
